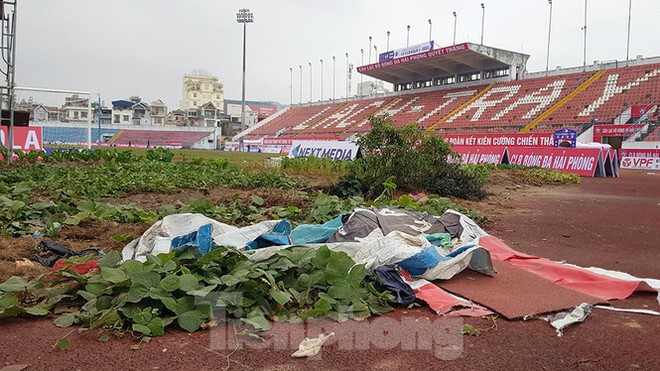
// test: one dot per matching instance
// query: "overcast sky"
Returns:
(120, 48)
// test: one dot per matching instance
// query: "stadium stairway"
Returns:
(559, 104)
(461, 107)
(261, 124)
(116, 136)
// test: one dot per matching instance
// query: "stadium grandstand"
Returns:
(473, 89)
(63, 133)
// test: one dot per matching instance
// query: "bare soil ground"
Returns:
(610, 223)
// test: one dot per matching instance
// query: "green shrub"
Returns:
(415, 160)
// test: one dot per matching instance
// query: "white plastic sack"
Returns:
(158, 238)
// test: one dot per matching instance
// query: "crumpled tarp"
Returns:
(374, 237)
(158, 238)
(601, 283)
(316, 233)
(364, 221)
(390, 278)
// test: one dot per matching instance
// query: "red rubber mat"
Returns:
(513, 292)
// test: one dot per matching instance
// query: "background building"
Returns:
(199, 88)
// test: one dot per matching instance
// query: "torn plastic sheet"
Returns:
(158, 238)
(561, 320)
(653, 283)
(600, 283)
(377, 250)
(629, 310)
(311, 347)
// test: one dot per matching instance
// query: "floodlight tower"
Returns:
(584, 60)
(291, 87)
(334, 62)
(370, 38)
(321, 80)
(430, 29)
(408, 36)
(547, 57)
(361, 75)
(628, 42)
(483, 20)
(301, 84)
(455, 20)
(347, 84)
(311, 82)
(244, 16)
(388, 41)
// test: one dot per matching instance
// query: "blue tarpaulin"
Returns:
(315, 233)
(201, 239)
(279, 236)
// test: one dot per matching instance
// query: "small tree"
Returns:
(416, 160)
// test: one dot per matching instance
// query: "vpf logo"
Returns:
(627, 162)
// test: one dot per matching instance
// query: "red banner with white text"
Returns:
(639, 153)
(601, 131)
(480, 154)
(502, 140)
(584, 162)
(26, 138)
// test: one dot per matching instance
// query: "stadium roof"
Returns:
(448, 61)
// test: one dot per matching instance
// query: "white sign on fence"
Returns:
(334, 150)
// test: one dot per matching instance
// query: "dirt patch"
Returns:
(86, 235)
(611, 223)
(154, 201)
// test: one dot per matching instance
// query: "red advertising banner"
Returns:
(414, 57)
(584, 162)
(601, 131)
(480, 154)
(639, 153)
(26, 138)
(503, 140)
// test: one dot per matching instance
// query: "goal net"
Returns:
(65, 117)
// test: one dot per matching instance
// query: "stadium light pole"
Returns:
(388, 41)
(375, 53)
(361, 75)
(547, 55)
(346, 75)
(301, 83)
(455, 19)
(99, 111)
(584, 60)
(628, 43)
(334, 75)
(483, 21)
(244, 16)
(430, 29)
(321, 80)
(370, 38)
(408, 36)
(311, 85)
(291, 87)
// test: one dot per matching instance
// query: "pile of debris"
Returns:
(417, 256)
(355, 265)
